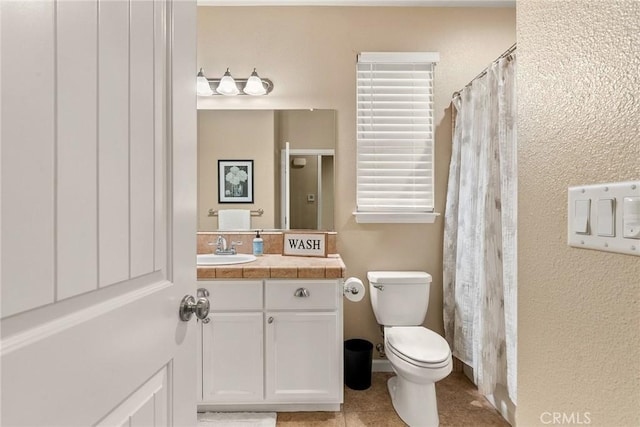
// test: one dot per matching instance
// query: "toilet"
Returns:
(419, 356)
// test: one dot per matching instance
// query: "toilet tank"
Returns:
(399, 298)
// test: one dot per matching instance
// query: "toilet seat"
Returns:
(419, 346)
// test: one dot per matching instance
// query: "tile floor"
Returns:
(459, 405)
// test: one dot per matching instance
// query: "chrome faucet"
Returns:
(221, 246)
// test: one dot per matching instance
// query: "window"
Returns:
(395, 137)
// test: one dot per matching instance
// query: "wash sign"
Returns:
(305, 244)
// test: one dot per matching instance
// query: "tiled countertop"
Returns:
(278, 267)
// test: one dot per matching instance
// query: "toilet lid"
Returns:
(418, 343)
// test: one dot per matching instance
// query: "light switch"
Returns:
(631, 217)
(581, 217)
(606, 217)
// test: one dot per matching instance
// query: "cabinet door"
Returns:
(302, 352)
(232, 361)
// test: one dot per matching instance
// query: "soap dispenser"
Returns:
(258, 244)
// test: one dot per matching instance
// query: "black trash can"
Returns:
(357, 363)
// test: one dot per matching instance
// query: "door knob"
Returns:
(190, 306)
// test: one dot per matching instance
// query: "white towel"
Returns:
(234, 219)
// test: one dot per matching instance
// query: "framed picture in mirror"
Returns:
(235, 181)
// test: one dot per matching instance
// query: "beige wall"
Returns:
(578, 123)
(231, 135)
(310, 54)
(306, 129)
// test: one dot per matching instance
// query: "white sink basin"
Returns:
(213, 259)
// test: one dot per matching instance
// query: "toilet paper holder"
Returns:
(353, 289)
(350, 289)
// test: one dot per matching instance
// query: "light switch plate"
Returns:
(605, 219)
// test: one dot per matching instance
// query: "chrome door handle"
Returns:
(190, 306)
(204, 293)
(301, 292)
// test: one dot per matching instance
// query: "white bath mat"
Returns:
(237, 419)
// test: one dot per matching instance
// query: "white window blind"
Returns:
(395, 129)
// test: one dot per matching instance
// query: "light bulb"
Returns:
(202, 85)
(227, 85)
(254, 85)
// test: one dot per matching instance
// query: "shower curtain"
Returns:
(480, 229)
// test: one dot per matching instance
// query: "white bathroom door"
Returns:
(98, 213)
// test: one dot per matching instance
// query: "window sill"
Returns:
(395, 217)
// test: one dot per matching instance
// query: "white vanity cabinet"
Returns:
(303, 341)
(232, 343)
(274, 344)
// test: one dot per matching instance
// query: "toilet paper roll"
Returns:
(354, 289)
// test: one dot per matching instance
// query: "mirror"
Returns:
(290, 189)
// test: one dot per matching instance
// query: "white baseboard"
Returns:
(381, 365)
(268, 407)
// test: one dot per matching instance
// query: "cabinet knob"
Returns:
(270, 320)
(301, 292)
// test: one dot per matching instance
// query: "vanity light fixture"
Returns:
(254, 86)
(228, 86)
(203, 87)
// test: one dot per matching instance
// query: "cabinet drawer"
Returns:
(235, 295)
(290, 294)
